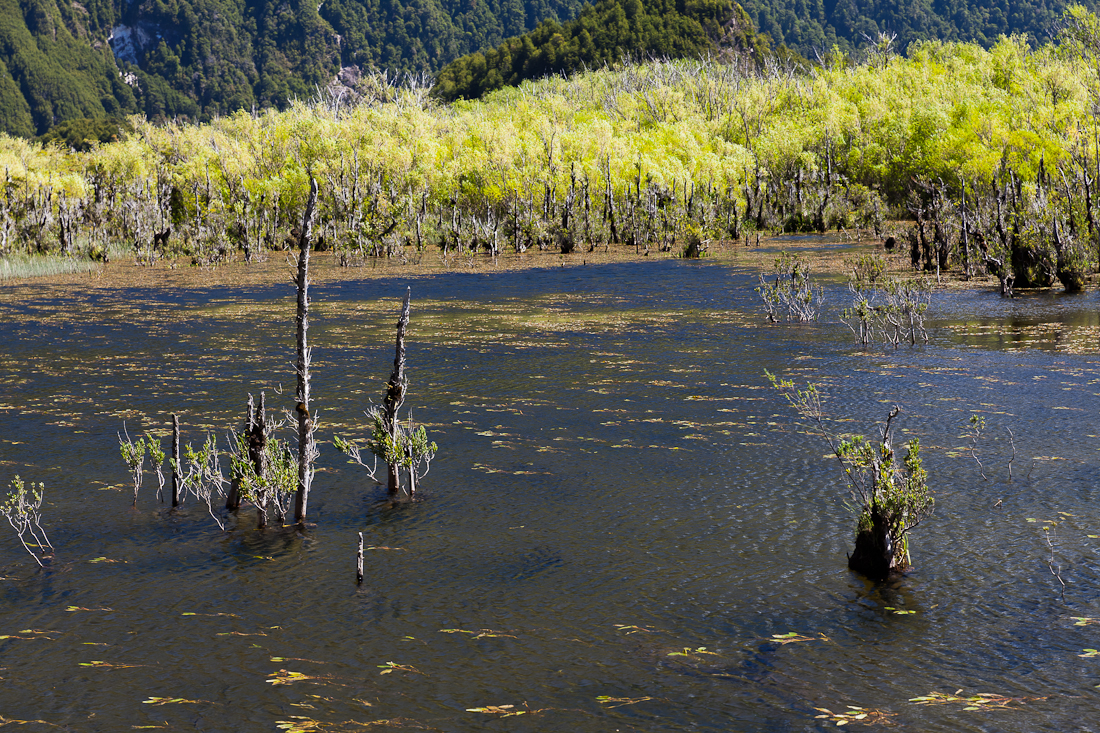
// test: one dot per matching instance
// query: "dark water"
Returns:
(622, 512)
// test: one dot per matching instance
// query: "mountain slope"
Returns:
(71, 59)
(47, 55)
(816, 25)
(601, 34)
(63, 59)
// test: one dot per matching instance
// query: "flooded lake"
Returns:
(625, 528)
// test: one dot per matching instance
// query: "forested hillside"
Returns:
(602, 34)
(809, 25)
(63, 59)
(193, 59)
(52, 67)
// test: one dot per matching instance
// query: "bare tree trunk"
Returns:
(176, 477)
(306, 445)
(412, 470)
(395, 392)
(965, 234)
(233, 498)
(257, 438)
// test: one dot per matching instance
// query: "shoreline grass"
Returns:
(24, 267)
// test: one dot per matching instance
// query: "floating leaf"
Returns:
(305, 725)
(504, 711)
(793, 636)
(634, 629)
(482, 634)
(80, 608)
(1090, 653)
(169, 701)
(286, 677)
(973, 702)
(689, 652)
(13, 721)
(617, 702)
(390, 667)
(31, 634)
(855, 714)
(107, 665)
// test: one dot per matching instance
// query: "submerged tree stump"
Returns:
(874, 552)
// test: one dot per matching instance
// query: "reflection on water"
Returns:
(625, 528)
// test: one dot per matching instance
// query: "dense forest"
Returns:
(603, 34)
(993, 153)
(63, 60)
(816, 25)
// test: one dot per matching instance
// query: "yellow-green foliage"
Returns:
(949, 111)
(31, 166)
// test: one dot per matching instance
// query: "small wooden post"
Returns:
(176, 477)
(359, 565)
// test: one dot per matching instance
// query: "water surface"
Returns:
(622, 519)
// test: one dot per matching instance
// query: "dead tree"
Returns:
(264, 468)
(307, 445)
(395, 394)
(398, 445)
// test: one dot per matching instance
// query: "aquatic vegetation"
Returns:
(617, 702)
(854, 714)
(133, 455)
(891, 499)
(886, 308)
(22, 507)
(792, 296)
(264, 469)
(980, 701)
(793, 636)
(398, 445)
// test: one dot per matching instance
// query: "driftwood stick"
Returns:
(359, 562)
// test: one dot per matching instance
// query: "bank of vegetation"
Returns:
(992, 154)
